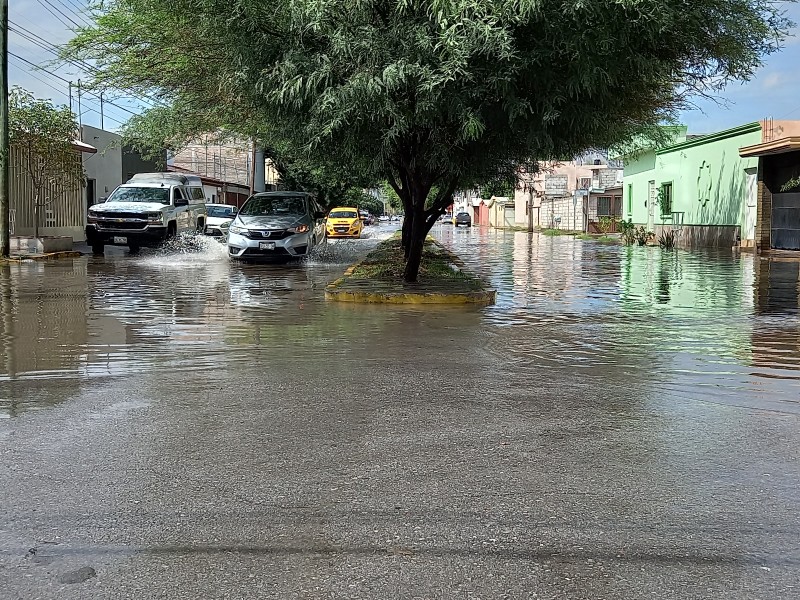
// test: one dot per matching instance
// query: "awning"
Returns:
(779, 146)
(82, 147)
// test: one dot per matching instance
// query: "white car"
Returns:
(145, 211)
(220, 217)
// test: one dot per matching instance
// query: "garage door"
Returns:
(786, 221)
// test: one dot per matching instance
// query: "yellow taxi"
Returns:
(344, 222)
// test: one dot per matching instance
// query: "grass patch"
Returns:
(387, 263)
(557, 232)
(596, 238)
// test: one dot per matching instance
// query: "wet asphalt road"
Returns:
(622, 425)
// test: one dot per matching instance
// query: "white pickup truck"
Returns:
(145, 211)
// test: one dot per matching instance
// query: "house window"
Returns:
(665, 198)
(630, 198)
(604, 206)
(585, 183)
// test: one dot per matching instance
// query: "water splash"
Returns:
(188, 249)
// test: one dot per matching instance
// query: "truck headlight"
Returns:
(155, 217)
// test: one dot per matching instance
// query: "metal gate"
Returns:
(786, 221)
(509, 215)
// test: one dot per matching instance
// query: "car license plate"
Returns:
(120, 240)
(266, 245)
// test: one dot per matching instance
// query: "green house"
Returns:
(698, 186)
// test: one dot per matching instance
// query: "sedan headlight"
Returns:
(298, 229)
(238, 230)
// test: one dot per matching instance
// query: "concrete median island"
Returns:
(378, 279)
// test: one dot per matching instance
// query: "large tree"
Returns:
(433, 94)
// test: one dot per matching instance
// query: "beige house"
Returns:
(64, 215)
(558, 195)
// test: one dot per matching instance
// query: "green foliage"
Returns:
(452, 94)
(667, 239)
(606, 224)
(628, 231)
(642, 236)
(664, 202)
(45, 135)
(790, 185)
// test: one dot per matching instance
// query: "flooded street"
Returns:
(622, 424)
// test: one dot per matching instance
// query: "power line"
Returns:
(74, 10)
(91, 93)
(53, 49)
(34, 65)
(50, 7)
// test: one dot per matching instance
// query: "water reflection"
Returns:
(659, 324)
(644, 324)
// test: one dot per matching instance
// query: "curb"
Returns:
(483, 297)
(49, 256)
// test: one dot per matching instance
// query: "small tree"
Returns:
(45, 135)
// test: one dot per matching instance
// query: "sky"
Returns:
(774, 92)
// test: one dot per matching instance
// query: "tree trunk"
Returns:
(418, 231)
(36, 216)
(405, 235)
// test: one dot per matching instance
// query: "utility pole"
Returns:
(5, 154)
(70, 97)
(101, 111)
(252, 174)
(80, 114)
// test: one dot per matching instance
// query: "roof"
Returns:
(83, 147)
(779, 146)
(711, 137)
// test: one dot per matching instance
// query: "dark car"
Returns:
(462, 218)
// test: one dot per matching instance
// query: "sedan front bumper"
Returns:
(254, 248)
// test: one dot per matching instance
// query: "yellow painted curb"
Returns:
(482, 298)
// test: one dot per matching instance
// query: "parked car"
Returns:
(446, 219)
(220, 217)
(366, 218)
(462, 218)
(145, 211)
(384, 218)
(276, 225)
(344, 222)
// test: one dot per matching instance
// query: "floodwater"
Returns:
(710, 326)
(622, 424)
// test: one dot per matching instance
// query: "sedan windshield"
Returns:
(343, 214)
(274, 206)
(221, 212)
(140, 194)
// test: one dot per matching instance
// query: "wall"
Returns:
(571, 216)
(132, 163)
(639, 170)
(64, 216)
(105, 166)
